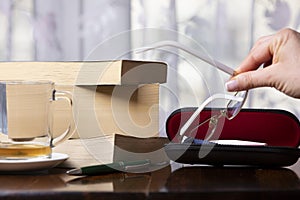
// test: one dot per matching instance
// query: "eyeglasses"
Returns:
(233, 106)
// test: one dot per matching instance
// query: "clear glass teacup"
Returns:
(26, 119)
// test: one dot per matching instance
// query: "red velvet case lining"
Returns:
(271, 126)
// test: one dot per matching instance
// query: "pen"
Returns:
(110, 168)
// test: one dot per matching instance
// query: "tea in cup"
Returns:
(26, 119)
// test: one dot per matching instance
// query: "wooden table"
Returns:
(170, 182)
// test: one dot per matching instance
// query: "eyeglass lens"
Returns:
(234, 107)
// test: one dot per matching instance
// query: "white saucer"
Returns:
(35, 164)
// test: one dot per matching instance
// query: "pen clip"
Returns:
(136, 166)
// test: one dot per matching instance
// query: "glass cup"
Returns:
(26, 119)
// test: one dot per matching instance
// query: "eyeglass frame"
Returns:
(214, 63)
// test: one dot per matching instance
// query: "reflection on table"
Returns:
(169, 182)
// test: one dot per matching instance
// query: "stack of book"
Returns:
(109, 97)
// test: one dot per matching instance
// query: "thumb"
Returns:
(249, 80)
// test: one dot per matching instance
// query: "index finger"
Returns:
(259, 54)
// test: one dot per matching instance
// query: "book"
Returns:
(116, 72)
(81, 152)
(112, 148)
(106, 109)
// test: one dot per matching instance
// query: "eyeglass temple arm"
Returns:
(201, 107)
(193, 52)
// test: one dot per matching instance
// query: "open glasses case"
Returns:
(279, 130)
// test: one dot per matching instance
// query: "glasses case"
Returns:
(278, 129)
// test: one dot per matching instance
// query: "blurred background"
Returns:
(69, 30)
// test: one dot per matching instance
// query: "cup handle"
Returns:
(66, 96)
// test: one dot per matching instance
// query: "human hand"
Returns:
(280, 55)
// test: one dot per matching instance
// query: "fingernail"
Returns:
(231, 85)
